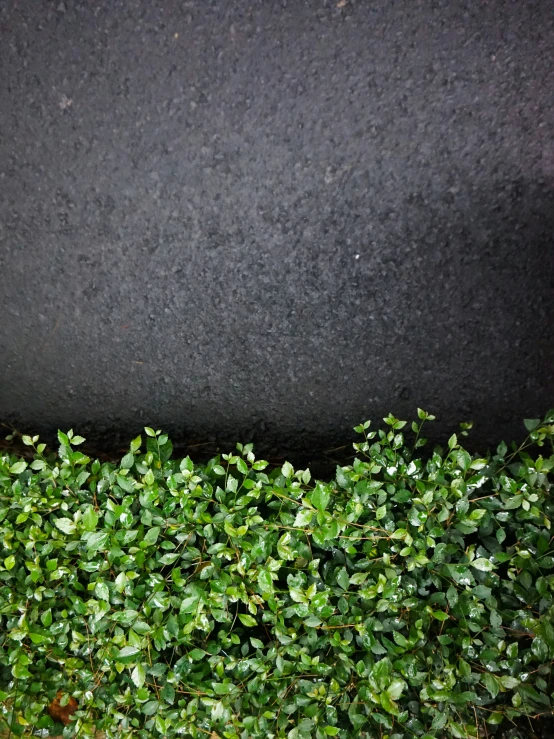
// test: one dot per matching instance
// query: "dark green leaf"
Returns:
(128, 654)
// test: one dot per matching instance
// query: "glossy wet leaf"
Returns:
(138, 676)
(485, 565)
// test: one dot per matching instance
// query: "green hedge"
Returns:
(411, 596)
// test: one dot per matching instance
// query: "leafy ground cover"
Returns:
(410, 596)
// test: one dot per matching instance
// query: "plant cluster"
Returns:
(411, 596)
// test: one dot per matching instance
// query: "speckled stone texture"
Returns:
(272, 220)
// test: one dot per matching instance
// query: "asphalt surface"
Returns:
(272, 220)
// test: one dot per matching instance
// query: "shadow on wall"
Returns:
(465, 290)
(466, 281)
(486, 330)
(469, 291)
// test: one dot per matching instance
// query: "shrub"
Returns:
(409, 597)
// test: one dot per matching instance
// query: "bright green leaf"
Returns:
(287, 469)
(18, 467)
(247, 620)
(90, 519)
(66, 525)
(320, 497)
(482, 564)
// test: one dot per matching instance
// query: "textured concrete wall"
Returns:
(274, 219)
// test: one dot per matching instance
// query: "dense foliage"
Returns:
(412, 596)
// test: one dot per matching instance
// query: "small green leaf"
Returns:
(189, 605)
(460, 574)
(491, 684)
(417, 517)
(128, 484)
(18, 467)
(63, 438)
(501, 450)
(66, 525)
(168, 693)
(187, 465)
(90, 519)
(265, 581)
(495, 619)
(396, 689)
(96, 541)
(485, 565)
(312, 622)
(381, 512)
(343, 578)
(242, 467)
(151, 536)
(9, 562)
(320, 497)
(342, 478)
(303, 518)
(20, 672)
(247, 620)
(169, 559)
(452, 596)
(128, 654)
(388, 704)
(101, 590)
(399, 534)
(138, 675)
(46, 618)
(287, 470)
(128, 461)
(508, 682)
(539, 649)
(478, 464)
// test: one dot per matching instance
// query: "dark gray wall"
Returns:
(274, 219)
